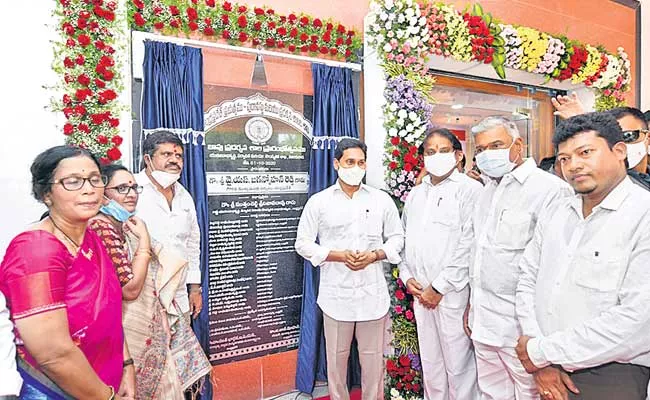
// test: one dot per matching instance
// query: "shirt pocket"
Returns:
(514, 229)
(600, 272)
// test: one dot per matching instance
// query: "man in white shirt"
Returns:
(503, 222)
(435, 265)
(10, 380)
(584, 292)
(347, 230)
(169, 211)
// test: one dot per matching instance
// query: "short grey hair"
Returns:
(494, 122)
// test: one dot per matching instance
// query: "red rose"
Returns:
(348, 41)
(259, 11)
(392, 165)
(80, 110)
(109, 16)
(408, 167)
(243, 37)
(255, 41)
(109, 94)
(327, 37)
(304, 37)
(193, 25)
(69, 30)
(158, 25)
(225, 35)
(257, 26)
(348, 53)
(408, 386)
(83, 79)
(333, 51)
(114, 154)
(280, 44)
(314, 39)
(340, 29)
(68, 129)
(208, 31)
(100, 83)
(404, 361)
(270, 42)
(83, 128)
(111, 5)
(350, 33)
(84, 14)
(114, 122)
(304, 49)
(117, 140)
(81, 94)
(294, 32)
(104, 161)
(101, 139)
(313, 47)
(416, 387)
(192, 15)
(271, 25)
(304, 21)
(108, 75)
(66, 99)
(138, 4)
(339, 41)
(270, 11)
(241, 21)
(394, 141)
(399, 294)
(99, 45)
(68, 111)
(396, 152)
(68, 62)
(97, 119)
(413, 149)
(292, 47)
(399, 385)
(174, 10)
(70, 42)
(175, 23)
(227, 6)
(82, 23)
(317, 23)
(409, 313)
(242, 9)
(106, 61)
(282, 31)
(84, 40)
(329, 26)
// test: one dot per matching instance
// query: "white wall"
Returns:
(27, 127)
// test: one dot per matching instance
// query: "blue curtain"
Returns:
(335, 116)
(173, 99)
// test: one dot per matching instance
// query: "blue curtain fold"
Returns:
(172, 99)
(335, 116)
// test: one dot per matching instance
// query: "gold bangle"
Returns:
(140, 252)
(112, 396)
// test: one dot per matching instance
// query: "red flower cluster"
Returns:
(577, 61)
(481, 38)
(603, 66)
(402, 376)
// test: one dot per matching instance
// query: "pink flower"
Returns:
(400, 295)
(399, 58)
(393, 43)
(398, 309)
(409, 315)
(406, 48)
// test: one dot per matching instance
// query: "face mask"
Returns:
(495, 163)
(440, 164)
(351, 176)
(115, 210)
(635, 153)
(164, 179)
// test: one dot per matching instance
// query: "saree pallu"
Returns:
(167, 355)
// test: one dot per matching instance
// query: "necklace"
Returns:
(65, 234)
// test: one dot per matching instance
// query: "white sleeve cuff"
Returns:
(441, 285)
(193, 277)
(404, 273)
(319, 257)
(392, 256)
(535, 353)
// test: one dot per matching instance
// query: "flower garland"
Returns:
(90, 76)
(241, 25)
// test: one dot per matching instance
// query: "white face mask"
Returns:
(635, 153)
(495, 163)
(352, 176)
(440, 164)
(164, 179)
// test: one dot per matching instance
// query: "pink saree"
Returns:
(38, 274)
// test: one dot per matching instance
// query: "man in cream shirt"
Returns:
(10, 380)
(504, 218)
(356, 227)
(584, 292)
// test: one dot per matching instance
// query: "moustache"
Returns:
(172, 164)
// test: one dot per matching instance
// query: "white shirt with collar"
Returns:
(437, 221)
(367, 221)
(584, 292)
(175, 228)
(10, 380)
(504, 220)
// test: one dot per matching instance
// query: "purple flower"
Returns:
(415, 361)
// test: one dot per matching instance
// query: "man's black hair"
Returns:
(348, 143)
(603, 123)
(446, 133)
(621, 112)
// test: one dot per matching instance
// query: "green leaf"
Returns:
(499, 41)
(477, 10)
(488, 19)
(500, 71)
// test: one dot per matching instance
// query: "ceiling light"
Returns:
(457, 106)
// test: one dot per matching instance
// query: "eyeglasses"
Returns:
(72, 183)
(633, 135)
(125, 189)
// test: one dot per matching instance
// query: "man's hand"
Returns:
(196, 300)
(468, 330)
(421, 176)
(430, 298)
(475, 175)
(552, 383)
(567, 106)
(522, 354)
(365, 258)
(414, 287)
(127, 385)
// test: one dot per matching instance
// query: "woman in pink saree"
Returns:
(62, 290)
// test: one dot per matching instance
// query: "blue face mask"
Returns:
(115, 210)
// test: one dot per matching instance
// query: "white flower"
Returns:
(393, 175)
(413, 21)
(410, 127)
(400, 34)
(400, 179)
(392, 131)
(409, 3)
(413, 116)
(376, 27)
(387, 48)
(400, 123)
(391, 17)
(402, 133)
(389, 4)
(409, 13)
(393, 106)
(383, 16)
(401, 18)
(389, 25)
(423, 20)
(402, 114)
(390, 34)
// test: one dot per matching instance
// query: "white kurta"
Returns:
(367, 221)
(10, 380)
(439, 236)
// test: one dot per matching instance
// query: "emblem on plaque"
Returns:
(258, 130)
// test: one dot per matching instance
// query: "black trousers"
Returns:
(612, 381)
